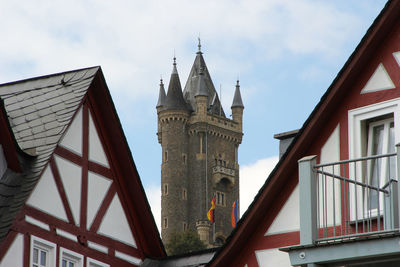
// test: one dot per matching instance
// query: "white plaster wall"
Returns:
(97, 189)
(272, 258)
(115, 224)
(288, 219)
(72, 139)
(45, 196)
(380, 80)
(15, 254)
(96, 152)
(71, 176)
(330, 152)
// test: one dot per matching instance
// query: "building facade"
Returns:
(199, 155)
(70, 194)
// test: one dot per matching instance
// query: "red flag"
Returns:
(211, 212)
(235, 213)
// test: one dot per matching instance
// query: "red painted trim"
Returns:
(127, 181)
(6, 244)
(277, 241)
(69, 155)
(27, 250)
(85, 154)
(103, 208)
(75, 246)
(61, 190)
(100, 169)
(57, 256)
(77, 159)
(25, 227)
(8, 142)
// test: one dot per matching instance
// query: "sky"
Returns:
(285, 53)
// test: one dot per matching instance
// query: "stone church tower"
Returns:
(199, 155)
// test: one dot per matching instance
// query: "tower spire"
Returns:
(201, 87)
(199, 46)
(174, 98)
(161, 95)
(237, 99)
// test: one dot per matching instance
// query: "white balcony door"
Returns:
(379, 171)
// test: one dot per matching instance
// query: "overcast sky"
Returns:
(285, 53)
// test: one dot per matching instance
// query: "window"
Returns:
(95, 263)
(165, 156)
(380, 140)
(42, 253)
(165, 223)
(220, 198)
(165, 189)
(373, 129)
(184, 226)
(184, 158)
(184, 194)
(70, 259)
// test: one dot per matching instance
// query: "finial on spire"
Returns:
(237, 83)
(199, 45)
(161, 80)
(174, 70)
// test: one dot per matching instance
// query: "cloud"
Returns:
(252, 177)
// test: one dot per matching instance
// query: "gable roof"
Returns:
(280, 176)
(39, 111)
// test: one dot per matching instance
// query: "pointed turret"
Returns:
(237, 99)
(161, 97)
(237, 106)
(174, 98)
(191, 86)
(201, 96)
(201, 86)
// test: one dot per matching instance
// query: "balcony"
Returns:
(349, 212)
(221, 173)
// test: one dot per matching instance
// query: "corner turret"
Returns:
(201, 96)
(174, 99)
(161, 97)
(237, 106)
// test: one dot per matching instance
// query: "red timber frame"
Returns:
(83, 234)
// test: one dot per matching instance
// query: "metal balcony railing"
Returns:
(349, 198)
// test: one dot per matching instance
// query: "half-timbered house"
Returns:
(70, 194)
(332, 200)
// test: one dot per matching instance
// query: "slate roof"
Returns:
(39, 111)
(161, 95)
(191, 86)
(237, 99)
(174, 98)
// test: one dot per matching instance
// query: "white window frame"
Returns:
(45, 245)
(71, 256)
(90, 260)
(356, 117)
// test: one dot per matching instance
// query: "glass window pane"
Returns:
(43, 258)
(71, 264)
(35, 255)
(377, 147)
